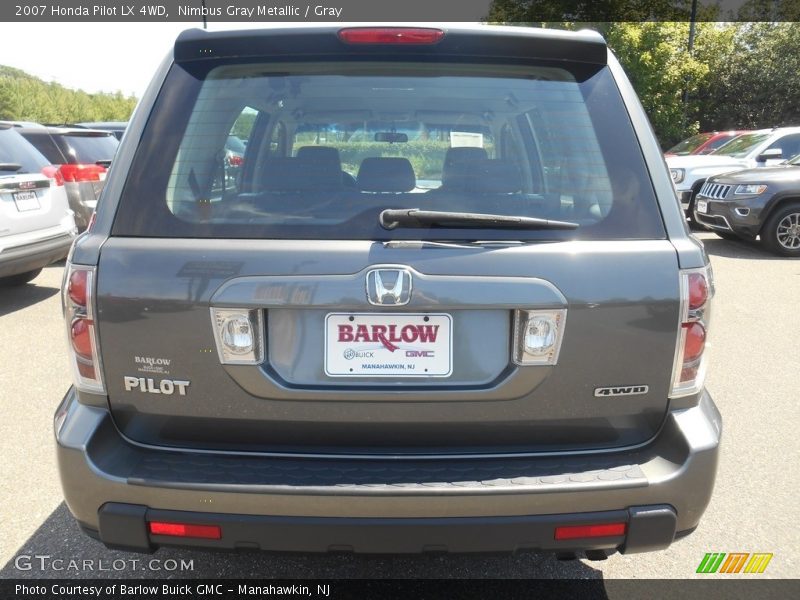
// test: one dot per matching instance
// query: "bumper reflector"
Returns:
(209, 532)
(573, 532)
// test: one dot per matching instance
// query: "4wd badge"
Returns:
(622, 390)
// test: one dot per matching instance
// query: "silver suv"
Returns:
(446, 302)
(36, 225)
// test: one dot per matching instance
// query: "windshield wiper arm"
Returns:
(414, 217)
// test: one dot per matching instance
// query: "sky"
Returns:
(101, 57)
(94, 57)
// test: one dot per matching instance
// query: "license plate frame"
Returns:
(26, 201)
(415, 354)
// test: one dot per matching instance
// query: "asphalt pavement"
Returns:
(753, 377)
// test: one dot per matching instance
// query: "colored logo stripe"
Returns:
(734, 563)
(711, 562)
(758, 563)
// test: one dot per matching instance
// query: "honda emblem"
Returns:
(390, 287)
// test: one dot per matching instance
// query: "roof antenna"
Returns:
(205, 25)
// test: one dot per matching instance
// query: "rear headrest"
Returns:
(455, 156)
(389, 174)
(322, 154)
(488, 176)
(300, 175)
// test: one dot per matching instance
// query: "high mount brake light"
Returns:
(84, 353)
(688, 370)
(390, 35)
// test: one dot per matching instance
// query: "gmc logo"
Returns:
(420, 353)
(628, 390)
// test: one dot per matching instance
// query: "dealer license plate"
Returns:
(388, 345)
(702, 206)
(26, 201)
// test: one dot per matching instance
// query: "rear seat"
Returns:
(329, 158)
(455, 160)
(482, 184)
(386, 175)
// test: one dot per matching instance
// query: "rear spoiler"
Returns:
(587, 47)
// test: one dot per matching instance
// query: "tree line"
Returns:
(24, 97)
(741, 72)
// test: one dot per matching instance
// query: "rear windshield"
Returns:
(87, 149)
(15, 150)
(318, 150)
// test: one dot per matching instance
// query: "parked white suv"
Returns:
(765, 147)
(36, 225)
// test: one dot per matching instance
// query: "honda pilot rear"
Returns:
(444, 300)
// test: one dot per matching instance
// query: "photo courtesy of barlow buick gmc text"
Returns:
(309, 300)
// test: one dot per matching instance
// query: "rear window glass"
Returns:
(14, 149)
(318, 150)
(88, 148)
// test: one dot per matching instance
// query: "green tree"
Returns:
(755, 83)
(27, 98)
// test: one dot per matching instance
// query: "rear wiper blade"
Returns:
(414, 217)
(13, 167)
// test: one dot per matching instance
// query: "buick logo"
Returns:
(390, 287)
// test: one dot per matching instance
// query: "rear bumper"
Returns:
(374, 505)
(21, 259)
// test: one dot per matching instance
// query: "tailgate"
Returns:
(155, 325)
(27, 205)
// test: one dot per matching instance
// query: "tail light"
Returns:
(54, 173)
(689, 368)
(537, 336)
(239, 337)
(79, 173)
(235, 160)
(390, 35)
(83, 349)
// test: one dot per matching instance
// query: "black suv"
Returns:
(755, 202)
(445, 301)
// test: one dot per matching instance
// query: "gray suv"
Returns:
(447, 302)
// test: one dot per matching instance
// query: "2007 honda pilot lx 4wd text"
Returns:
(445, 301)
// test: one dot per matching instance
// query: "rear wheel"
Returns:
(20, 278)
(781, 233)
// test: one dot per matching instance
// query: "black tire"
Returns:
(20, 278)
(728, 235)
(781, 232)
